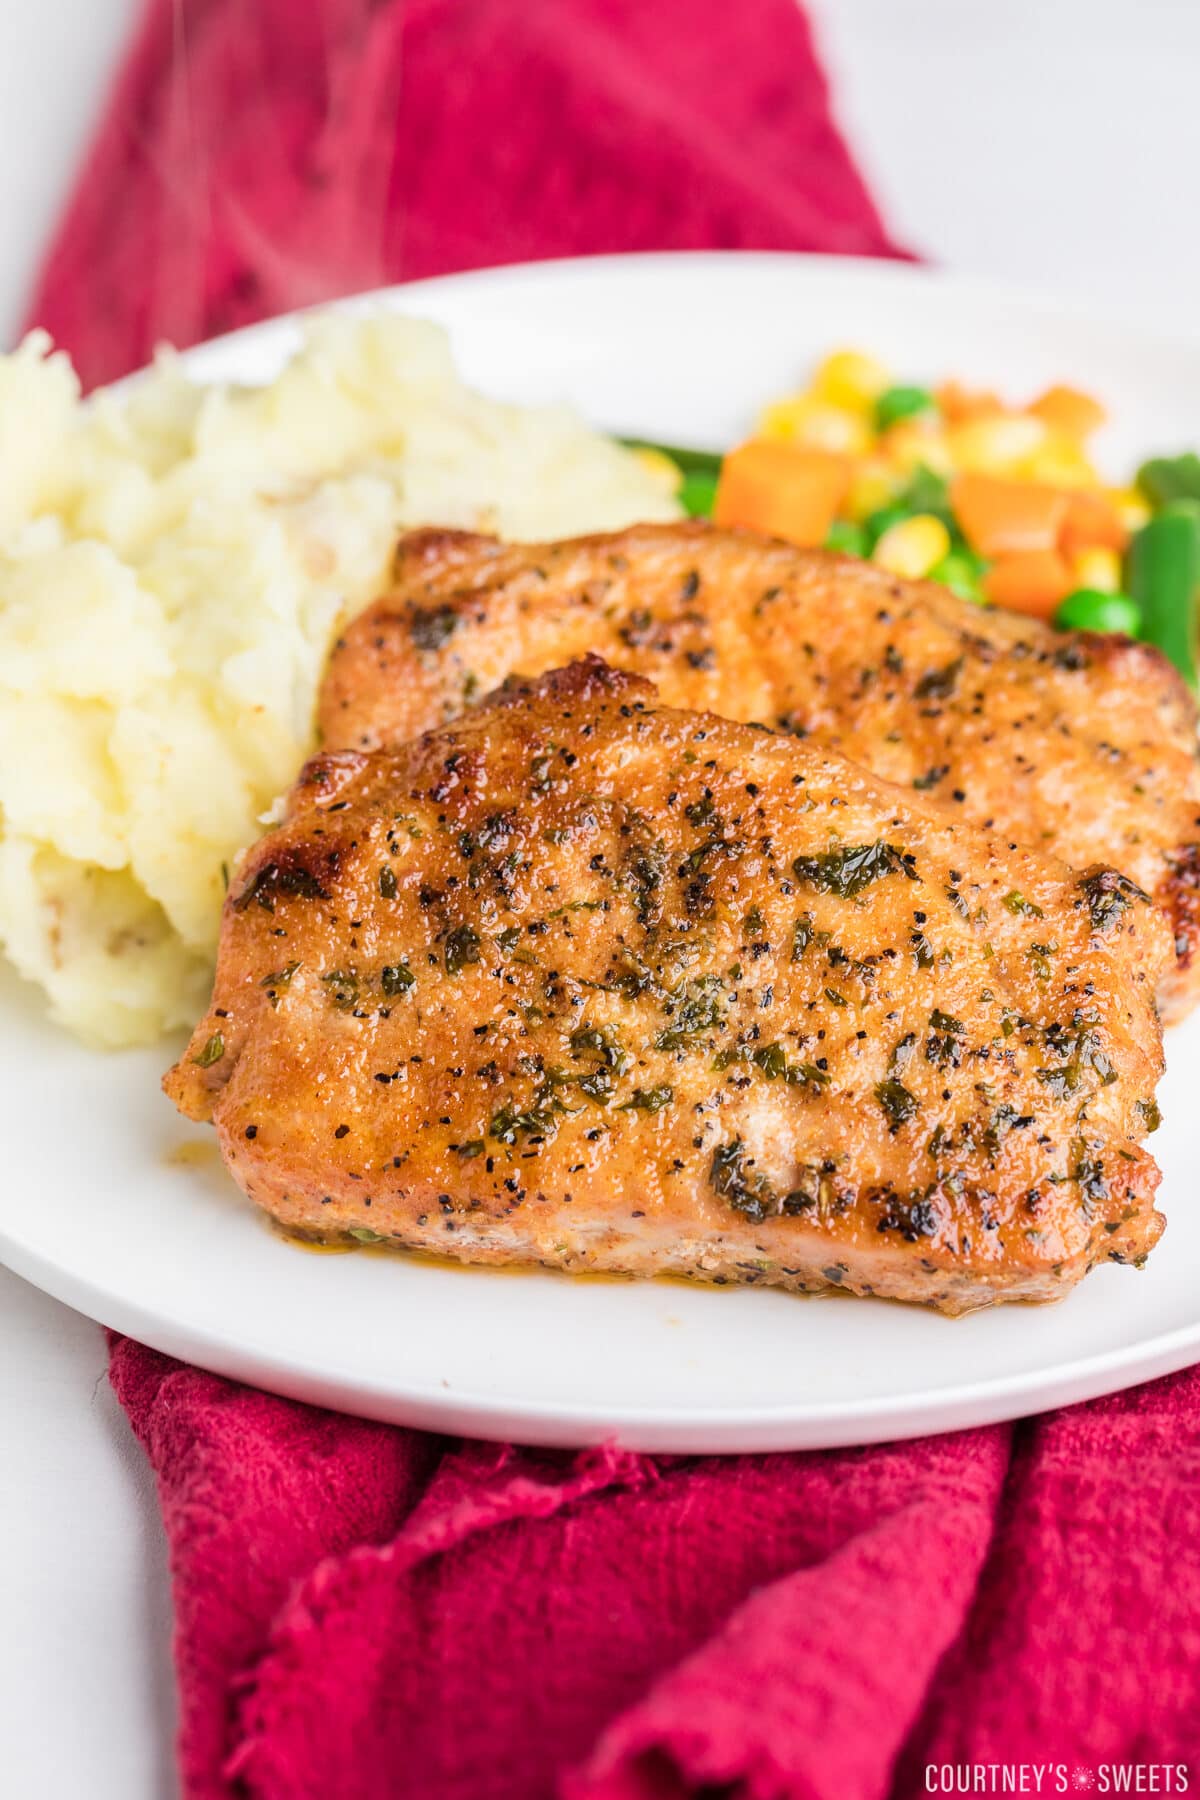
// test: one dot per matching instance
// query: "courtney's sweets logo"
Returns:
(1056, 1778)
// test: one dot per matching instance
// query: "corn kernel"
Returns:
(661, 467)
(1097, 568)
(850, 379)
(1132, 507)
(1001, 445)
(875, 484)
(913, 546)
(801, 419)
(779, 419)
(918, 443)
(1062, 463)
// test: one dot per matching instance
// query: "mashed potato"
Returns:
(174, 560)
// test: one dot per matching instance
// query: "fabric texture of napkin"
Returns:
(371, 1613)
(367, 1612)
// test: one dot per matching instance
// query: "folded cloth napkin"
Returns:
(368, 1612)
(259, 155)
(364, 1611)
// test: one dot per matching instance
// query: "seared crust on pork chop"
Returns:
(587, 981)
(1078, 744)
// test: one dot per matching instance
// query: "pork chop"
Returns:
(1081, 745)
(587, 981)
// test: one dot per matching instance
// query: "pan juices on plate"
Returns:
(585, 980)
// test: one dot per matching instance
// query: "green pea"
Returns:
(897, 403)
(960, 572)
(1088, 609)
(848, 537)
(697, 492)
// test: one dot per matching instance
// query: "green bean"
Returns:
(1163, 577)
(1167, 478)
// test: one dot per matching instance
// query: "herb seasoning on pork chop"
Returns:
(1078, 744)
(588, 981)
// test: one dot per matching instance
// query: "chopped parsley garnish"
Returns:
(649, 1100)
(1081, 1049)
(396, 978)
(343, 986)
(732, 1180)
(462, 947)
(611, 1052)
(922, 949)
(850, 870)
(700, 1009)
(898, 1104)
(1108, 895)
(535, 1121)
(772, 1060)
(279, 978)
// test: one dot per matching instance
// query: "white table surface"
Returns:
(1051, 142)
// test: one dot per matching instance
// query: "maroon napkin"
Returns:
(259, 155)
(364, 1611)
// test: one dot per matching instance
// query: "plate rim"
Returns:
(683, 1429)
(1025, 297)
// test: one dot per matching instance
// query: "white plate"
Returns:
(117, 1207)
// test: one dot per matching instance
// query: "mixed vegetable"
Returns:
(1002, 504)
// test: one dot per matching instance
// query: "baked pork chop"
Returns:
(1078, 744)
(586, 981)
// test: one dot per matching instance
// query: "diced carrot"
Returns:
(998, 516)
(957, 404)
(1069, 410)
(788, 490)
(1092, 519)
(1029, 581)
